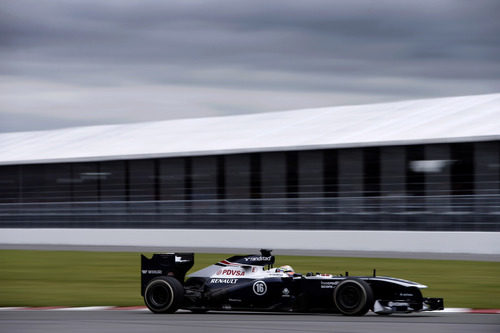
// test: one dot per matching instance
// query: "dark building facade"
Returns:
(445, 186)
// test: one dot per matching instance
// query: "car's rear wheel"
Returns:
(164, 295)
(353, 297)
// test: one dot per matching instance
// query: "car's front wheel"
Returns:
(353, 297)
(164, 294)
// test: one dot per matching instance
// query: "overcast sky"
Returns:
(72, 63)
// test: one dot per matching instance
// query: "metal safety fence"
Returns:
(426, 213)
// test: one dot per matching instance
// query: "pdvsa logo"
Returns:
(230, 272)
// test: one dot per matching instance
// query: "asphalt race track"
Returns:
(108, 321)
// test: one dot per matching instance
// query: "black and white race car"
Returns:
(250, 283)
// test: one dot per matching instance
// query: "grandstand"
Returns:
(423, 165)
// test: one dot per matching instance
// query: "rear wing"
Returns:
(165, 264)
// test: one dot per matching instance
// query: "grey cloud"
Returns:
(390, 49)
(147, 31)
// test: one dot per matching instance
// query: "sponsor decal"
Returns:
(405, 294)
(328, 284)
(285, 293)
(275, 274)
(223, 281)
(259, 288)
(179, 259)
(258, 258)
(232, 272)
(154, 271)
(398, 304)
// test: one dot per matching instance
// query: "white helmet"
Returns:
(286, 269)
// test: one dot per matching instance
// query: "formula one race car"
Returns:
(250, 283)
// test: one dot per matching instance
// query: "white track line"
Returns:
(455, 310)
(85, 308)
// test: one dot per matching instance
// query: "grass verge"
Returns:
(77, 278)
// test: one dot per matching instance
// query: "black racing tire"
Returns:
(353, 297)
(164, 294)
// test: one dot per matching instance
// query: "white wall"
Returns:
(388, 241)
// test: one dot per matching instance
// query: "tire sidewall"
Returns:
(366, 297)
(173, 287)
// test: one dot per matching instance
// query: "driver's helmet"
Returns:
(286, 269)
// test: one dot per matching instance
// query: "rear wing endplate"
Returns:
(165, 264)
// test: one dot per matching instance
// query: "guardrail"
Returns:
(424, 213)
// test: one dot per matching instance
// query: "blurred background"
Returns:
(425, 184)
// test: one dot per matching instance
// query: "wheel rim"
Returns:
(160, 296)
(349, 297)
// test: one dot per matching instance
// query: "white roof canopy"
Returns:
(452, 119)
